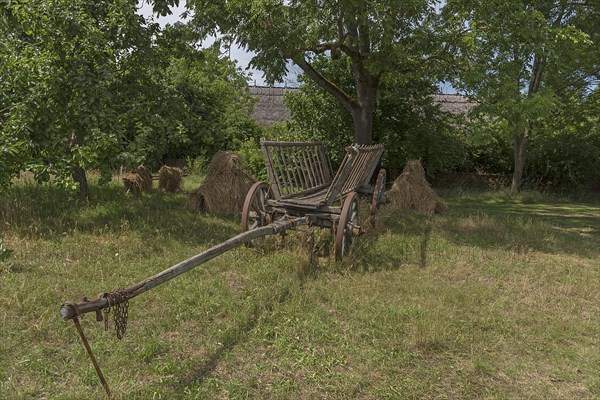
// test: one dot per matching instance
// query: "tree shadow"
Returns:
(276, 296)
(42, 211)
(557, 228)
(496, 223)
(399, 239)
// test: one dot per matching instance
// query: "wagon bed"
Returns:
(301, 184)
(300, 172)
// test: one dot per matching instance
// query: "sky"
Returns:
(241, 56)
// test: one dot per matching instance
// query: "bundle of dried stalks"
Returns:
(225, 161)
(411, 191)
(169, 179)
(139, 180)
(225, 186)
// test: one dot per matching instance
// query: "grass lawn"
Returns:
(498, 298)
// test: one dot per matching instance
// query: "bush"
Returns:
(565, 160)
(252, 155)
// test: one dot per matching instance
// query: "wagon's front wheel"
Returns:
(346, 226)
(255, 212)
(378, 192)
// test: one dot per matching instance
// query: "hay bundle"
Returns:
(169, 179)
(139, 180)
(225, 187)
(225, 161)
(411, 191)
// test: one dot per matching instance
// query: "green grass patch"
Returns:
(496, 299)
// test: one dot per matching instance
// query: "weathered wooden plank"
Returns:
(270, 166)
(71, 309)
(300, 168)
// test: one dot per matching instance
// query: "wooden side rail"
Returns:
(295, 168)
(355, 171)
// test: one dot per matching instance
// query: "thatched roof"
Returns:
(269, 109)
(456, 104)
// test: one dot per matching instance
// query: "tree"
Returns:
(59, 63)
(406, 121)
(512, 57)
(91, 84)
(190, 102)
(372, 37)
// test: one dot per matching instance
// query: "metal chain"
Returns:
(121, 310)
(117, 300)
(107, 312)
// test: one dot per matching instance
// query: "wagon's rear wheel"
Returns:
(256, 212)
(346, 226)
(378, 192)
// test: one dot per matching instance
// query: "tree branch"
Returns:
(331, 46)
(331, 88)
(536, 75)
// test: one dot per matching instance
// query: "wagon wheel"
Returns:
(256, 212)
(378, 192)
(345, 230)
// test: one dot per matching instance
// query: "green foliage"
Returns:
(567, 155)
(205, 108)
(60, 62)
(521, 58)
(489, 145)
(91, 84)
(566, 160)
(406, 122)
(365, 40)
(251, 152)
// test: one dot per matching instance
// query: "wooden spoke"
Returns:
(346, 226)
(378, 192)
(256, 211)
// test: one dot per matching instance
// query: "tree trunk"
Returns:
(364, 108)
(362, 117)
(522, 137)
(520, 148)
(78, 173)
(80, 177)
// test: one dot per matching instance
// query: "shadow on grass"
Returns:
(40, 211)
(554, 228)
(274, 297)
(240, 331)
(487, 223)
(583, 218)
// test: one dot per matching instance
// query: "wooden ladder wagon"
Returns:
(301, 191)
(301, 184)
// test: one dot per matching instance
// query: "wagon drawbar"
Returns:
(301, 191)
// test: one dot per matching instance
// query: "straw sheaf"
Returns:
(411, 191)
(138, 181)
(169, 179)
(225, 187)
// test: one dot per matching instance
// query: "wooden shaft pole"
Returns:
(69, 310)
(92, 357)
